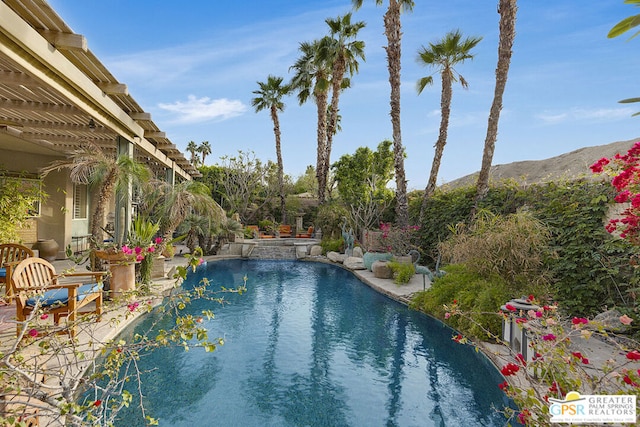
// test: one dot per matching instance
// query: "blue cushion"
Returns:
(60, 296)
(3, 272)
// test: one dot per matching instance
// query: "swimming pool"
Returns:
(308, 344)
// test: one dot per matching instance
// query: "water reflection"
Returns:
(309, 345)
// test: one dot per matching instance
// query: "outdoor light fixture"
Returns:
(92, 124)
(512, 331)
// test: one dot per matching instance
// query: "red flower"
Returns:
(457, 338)
(521, 320)
(520, 358)
(549, 337)
(510, 307)
(133, 306)
(510, 369)
(503, 385)
(633, 355)
(97, 403)
(33, 333)
(598, 166)
(579, 320)
(524, 416)
(629, 381)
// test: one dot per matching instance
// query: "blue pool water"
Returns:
(308, 344)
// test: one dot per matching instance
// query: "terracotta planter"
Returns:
(123, 278)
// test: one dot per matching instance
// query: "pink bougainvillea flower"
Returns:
(579, 321)
(200, 261)
(33, 333)
(509, 369)
(520, 358)
(138, 250)
(521, 320)
(139, 257)
(503, 385)
(598, 166)
(510, 307)
(133, 306)
(524, 416)
(127, 250)
(633, 355)
(151, 249)
(44, 316)
(447, 315)
(158, 240)
(625, 320)
(549, 337)
(627, 379)
(457, 338)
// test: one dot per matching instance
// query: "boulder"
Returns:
(357, 252)
(336, 257)
(301, 251)
(316, 250)
(381, 270)
(354, 263)
(610, 321)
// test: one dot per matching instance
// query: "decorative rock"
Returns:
(336, 257)
(247, 249)
(316, 250)
(610, 321)
(357, 252)
(354, 263)
(381, 270)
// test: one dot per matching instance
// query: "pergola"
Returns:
(55, 94)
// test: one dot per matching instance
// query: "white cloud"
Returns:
(581, 114)
(196, 110)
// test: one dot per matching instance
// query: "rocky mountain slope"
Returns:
(569, 165)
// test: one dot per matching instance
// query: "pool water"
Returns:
(308, 344)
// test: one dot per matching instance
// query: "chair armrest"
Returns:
(97, 274)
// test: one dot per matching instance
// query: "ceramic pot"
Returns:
(47, 248)
(370, 257)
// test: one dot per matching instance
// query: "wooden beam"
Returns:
(14, 78)
(154, 134)
(113, 88)
(65, 41)
(146, 117)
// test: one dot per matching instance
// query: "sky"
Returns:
(195, 64)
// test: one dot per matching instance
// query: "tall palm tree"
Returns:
(204, 149)
(507, 10)
(343, 51)
(192, 148)
(312, 79)
(105, 174)
(393, 31)
(269, 96)
(444, 55)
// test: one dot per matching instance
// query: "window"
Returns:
(80, 201)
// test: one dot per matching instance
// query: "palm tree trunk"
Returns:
(338, 77)
(445, 105)
(102, 199)
(507, 10)
(276, 131)
(321, 103)
(393, 31)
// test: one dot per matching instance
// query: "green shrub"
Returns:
(332, 245)
(402, 272)
(474, 293)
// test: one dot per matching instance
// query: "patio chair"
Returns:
(284, 231)
(37, 285)
(10, 255)
(307, 235)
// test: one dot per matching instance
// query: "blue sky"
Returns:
(194, 64)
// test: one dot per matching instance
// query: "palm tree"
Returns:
(343, 52)
(393, 31)
(507, 10)
(192, 148)
(444, 55)
(170, 205)
(312, 78)
(269, 96)
(91, 166)
(204, 149)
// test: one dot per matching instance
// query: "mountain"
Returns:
(569, 165)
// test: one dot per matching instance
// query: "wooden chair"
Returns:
(307, 235)
(284, 231)
(10, 255)
(36, 285)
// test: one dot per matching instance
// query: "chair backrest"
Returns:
(32, 275)
(13, 252)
